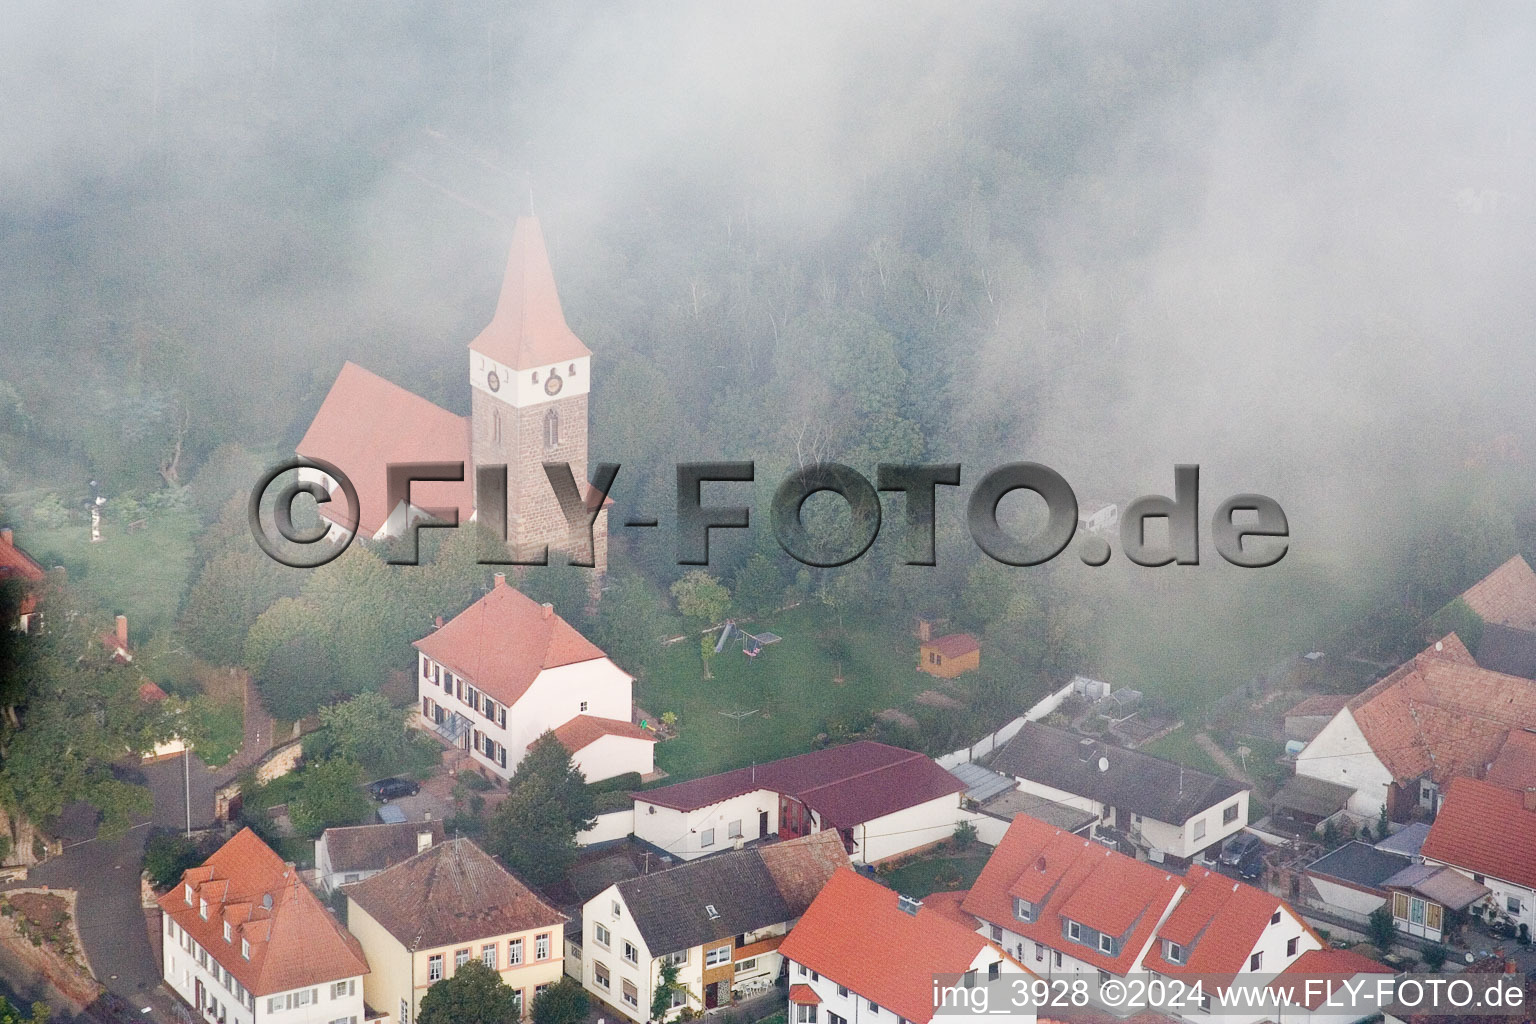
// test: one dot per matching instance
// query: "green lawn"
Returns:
(141, 574)
(790, 685)
(938, 874)
(1180, 746)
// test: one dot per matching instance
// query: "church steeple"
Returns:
(529, 328)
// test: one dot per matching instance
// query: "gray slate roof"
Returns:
(376, 847)
(670, 907)
(1138, 782)
(1359, 863)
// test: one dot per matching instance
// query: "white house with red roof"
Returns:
(1317, 987)
(883, 800)
(507, 669)
(862, 954)
(1064, 905)
(245, 942)
(530, 379)
(1437, 717)
(1488, 833)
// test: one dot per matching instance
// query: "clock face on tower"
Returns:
(492, 381)
(553, 383)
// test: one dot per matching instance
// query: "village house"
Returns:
(530, 380)
(882, 800)
(863, 954)
(245, 942)
(507, 669)
(1438, 717)
(351, 854)
(1165, 811)
(424, 918)
(719, 920)
(1064, 905)
(1307, 717)
(16, 566)
(1308, 986)
(1488, 833)
(1353, 877)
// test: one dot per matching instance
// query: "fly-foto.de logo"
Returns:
(1246, 530)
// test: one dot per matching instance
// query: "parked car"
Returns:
(393, 788)
(1241, 846)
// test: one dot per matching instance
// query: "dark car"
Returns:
(393, 788)
(1239, 847)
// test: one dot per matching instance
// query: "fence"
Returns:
(989, 743)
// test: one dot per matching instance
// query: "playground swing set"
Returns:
(752, 644)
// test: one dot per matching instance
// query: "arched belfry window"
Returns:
(551, 429)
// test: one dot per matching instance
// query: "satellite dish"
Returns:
(1103, 764)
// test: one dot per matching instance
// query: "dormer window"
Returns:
(1173, 952)
(202, 909)
(228, 932)
(188, 889)
(245, 948)
(1024, 910)
(1074, 931)
(1106, 944)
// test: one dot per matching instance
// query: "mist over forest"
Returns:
(1290, 243)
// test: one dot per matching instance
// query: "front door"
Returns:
(711, 995)
(762, 823)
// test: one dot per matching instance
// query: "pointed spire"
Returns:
(529, 329)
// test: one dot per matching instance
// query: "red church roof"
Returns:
(294, 940)
(504, 640)
(529, 328)
(365, 424)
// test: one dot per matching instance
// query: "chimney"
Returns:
(549, 610)
(1085, 750)
(501, 579)
(122, 630)
(5, 535)
(1529, 798)
(423, 840)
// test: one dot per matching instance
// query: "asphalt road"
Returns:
(105, 873)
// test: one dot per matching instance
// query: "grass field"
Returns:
(1180, 746)
(141, 574)
(790, 685)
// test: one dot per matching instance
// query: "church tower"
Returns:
(530, 377)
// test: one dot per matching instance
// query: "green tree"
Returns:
(367, 729)
(1435, 956)
(564, 1002)
(328, 794)
(701, 597)
(1380, 928)
(530, 832)
(228, 596)
(631, 623)
(297, 677)
(759, 585)
(550, 764)
(474, 995)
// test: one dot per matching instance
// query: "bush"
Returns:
(618, 784)
(1380, 929)
(608, 802)
(965, 836)
(1435, 956)
(564, 1002)
(167, 856)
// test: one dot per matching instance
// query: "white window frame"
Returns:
(717, 956)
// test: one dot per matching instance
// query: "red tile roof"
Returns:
(16, 563)
(1485, 829)
(584, 730)
(1441, 714)
(294, 942)
(1327, 967)
(1506, 596)
(804, 995)
(846, 785)
(1319, 704)
(365, 424)
(529, 328)
(954, 645)
(1218, 922)
(1072, 877)
(150, 692)
(851, 930)
(1514, 767)
(503, 641)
